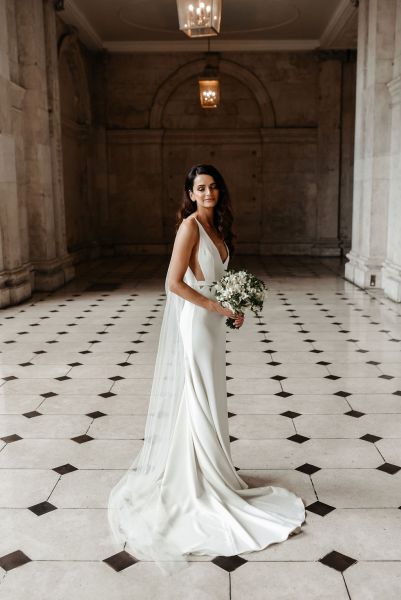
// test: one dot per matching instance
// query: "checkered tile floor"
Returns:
(314, 405)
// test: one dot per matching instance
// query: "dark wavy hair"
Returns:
(222, 217)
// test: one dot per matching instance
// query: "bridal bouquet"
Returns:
(237, 290)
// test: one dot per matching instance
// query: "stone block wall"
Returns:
(282, 137)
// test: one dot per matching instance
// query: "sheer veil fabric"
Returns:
(182, 494)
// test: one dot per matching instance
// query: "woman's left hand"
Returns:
(239, 320)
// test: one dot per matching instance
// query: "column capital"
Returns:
(394, 87)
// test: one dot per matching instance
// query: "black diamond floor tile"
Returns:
(107, 394)
(96, 414)
(336, 560)
(11, 438)
(368, 437)
(14, 560)
(32, 413)
(82, 439)
(283, 394)
(290, 414)
(64, 469)
(355, 413)
(389, 468)
(42, 508)
(120, 561)
(320, 508)
(229, 563)
(308, 469)
(299, 439)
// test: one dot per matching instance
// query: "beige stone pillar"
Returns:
(38, 75)
(372, 173)
(15, 284)
(391, 272)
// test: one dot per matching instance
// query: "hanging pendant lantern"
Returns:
(209, 84)
(209, 92)
(199, 18)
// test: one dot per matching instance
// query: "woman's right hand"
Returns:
(222, 310)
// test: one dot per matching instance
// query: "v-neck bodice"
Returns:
(209, 259)
(228, 253)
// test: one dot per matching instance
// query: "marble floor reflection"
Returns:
(314, 401)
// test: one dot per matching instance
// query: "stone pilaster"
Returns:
(391, 272)
(51, 265)
(376, 35)
(15, 284)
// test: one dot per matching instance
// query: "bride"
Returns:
(182, 494)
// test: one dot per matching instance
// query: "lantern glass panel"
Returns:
(199, 18)
(209, 93)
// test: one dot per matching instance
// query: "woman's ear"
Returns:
(191, 195)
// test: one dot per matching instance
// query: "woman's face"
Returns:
(204, 191)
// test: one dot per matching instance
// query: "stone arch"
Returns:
(69, 51)
(189, 70)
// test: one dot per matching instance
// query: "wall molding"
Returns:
(273, 135)
(340, 21)
(73, 16)
(216, 45)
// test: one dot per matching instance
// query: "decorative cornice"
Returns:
(215, 45)
(73, 16)
(339, 21)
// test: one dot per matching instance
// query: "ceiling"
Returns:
(246, 25)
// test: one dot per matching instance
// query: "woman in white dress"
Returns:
(182, 495)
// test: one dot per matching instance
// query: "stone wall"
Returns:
(282, 137)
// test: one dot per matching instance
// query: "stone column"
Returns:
(376, 35)
(15, 284)
(328, 153)
(391, 272)
(38, 74)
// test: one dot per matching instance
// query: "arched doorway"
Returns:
(229, 137)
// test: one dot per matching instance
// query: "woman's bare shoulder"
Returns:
(189, 226)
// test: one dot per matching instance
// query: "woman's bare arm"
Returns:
(185, 240)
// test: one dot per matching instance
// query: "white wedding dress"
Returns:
(196, 503)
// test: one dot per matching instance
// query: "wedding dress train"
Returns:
(196, 503)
